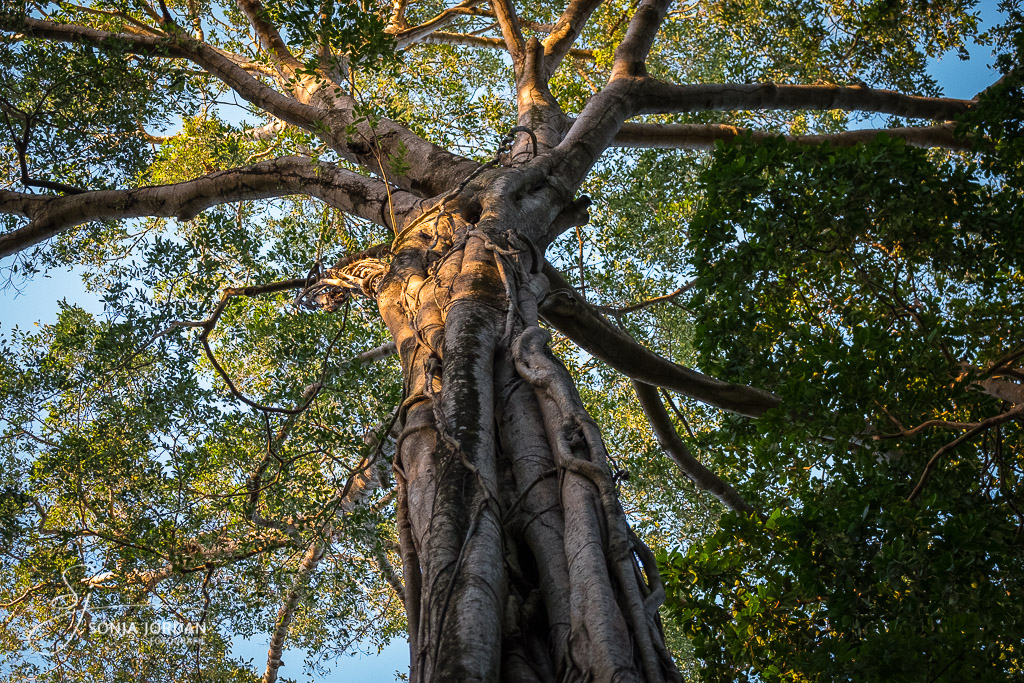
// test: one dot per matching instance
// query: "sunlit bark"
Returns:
(517, 558)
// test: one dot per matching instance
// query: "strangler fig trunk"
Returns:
(518, 561)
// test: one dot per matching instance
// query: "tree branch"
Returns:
(1014, 414)
(565, 32)
(284, 615)
(603, 117)
(605, 113)
(267, 131)
(464, 39)
(619, 310)
(379, 353)
(680, 454)
(631, 54)
(269, 36)
(576, 319)
(657, 97)
(219, 553)
(21, 144)
(389, 573)
(363, 480)
(119, 14)
(342, 189)
(432, 170)
(511, 32)
(704, 136)
(1003, 389)
(181, 46)
(397, 22)
(404, 37)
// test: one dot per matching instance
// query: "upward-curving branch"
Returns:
(269, 36)
(565, 32)
(342, 189)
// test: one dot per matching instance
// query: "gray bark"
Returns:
(517, 558)
(340, 188)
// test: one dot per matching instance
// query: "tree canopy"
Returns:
(785, 275)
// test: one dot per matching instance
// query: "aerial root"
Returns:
(562, 407)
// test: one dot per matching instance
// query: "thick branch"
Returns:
(342, 189)
(564, 33)
(704, 136)
(389, 573)
(631, 54)
(676, 449)
(182, 46)
(432, 170)
(284, 615)
(576, 319)
(397, 20)
(362, 481)
(657, 97)
(269, 36)
(627, 96)
(216, 552)
(1003, 389)
(511, 32)
(267, 131)
(406, 37)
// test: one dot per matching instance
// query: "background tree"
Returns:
(254, 188)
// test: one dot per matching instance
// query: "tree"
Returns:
(855, 295)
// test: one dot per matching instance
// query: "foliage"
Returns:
(72, 113)
(894, 275)
(347, 28)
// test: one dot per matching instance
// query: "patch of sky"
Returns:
(365, 665)
(966, 78)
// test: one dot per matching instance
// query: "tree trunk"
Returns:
(518, 561)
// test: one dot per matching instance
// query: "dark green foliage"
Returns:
(73, 112)
(856, 284)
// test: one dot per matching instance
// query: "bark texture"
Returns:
(518, 561)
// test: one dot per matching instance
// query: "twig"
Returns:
(675, 409)
(981, 426)
(619, 310)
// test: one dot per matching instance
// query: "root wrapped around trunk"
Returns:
(518, 561)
